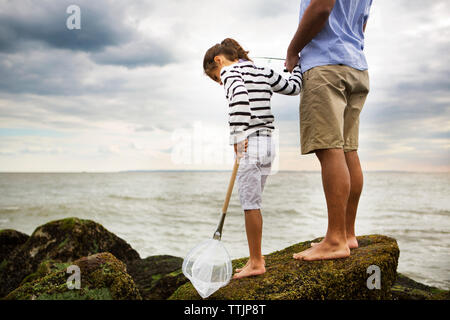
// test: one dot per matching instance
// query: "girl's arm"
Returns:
(239, 104)
(291, 86)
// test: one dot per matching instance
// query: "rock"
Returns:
(157, 277)
(288, 279)
(45, 267)
(103, 277)
(35, 266)
(408, 289)
(10, 240)
(61, 241)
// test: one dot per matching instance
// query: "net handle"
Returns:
(272, 58)
(230, 186)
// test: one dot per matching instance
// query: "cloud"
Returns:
(45, 21)
(133, 74)
(107, 32)
(135, 54)
(269, 9)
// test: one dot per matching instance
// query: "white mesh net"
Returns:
(208, 267)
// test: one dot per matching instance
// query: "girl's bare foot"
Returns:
(324, 250)
(251, 269)
(240, 269)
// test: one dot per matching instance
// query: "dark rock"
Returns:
(10, 240)
(103, 277)
(157, 277)
(36, 266)
(290, 279)
(61, 241)
(408, 289)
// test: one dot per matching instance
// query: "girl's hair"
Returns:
(230, 48)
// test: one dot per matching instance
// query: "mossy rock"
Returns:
(290, 279)
(61, 241)
(9, 241)
(157, 277)
(408, 289)
(45, 267)
(103, 277)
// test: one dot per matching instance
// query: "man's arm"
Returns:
(313, 20)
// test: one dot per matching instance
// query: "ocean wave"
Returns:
(3, 221)
(8, 209)
(121, 197)
(428, 211)
(178, 209)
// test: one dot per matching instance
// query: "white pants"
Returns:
(254, 167)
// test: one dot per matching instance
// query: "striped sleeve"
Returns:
(238, 102)
(291, 86)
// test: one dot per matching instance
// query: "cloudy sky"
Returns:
(127, 90)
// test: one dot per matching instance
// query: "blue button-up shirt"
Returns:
(341, 41)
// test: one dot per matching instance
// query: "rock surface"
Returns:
(288, 279)
(103, 277)
(61, 241)
(408, 289)
(9, 241)
(35, 268)
(157, 277)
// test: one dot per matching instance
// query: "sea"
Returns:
(169, 212)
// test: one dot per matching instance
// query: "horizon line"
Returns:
(208, 170)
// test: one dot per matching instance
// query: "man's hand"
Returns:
(313, 21)
(291, 61)
(240, 147)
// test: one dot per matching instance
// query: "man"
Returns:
(330, 40)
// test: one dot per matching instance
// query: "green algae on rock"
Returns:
(408, 289)
(290, 279)
(61, 241)
(103, 277)
(157, 277)
(36, 268)
(45, 267)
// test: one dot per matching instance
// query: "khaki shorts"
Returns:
(331, 101)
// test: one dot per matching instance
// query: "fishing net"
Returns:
(208, 267)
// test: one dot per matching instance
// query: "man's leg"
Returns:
(336, 185)
(358, 81)
(253, 227)
(356, 185)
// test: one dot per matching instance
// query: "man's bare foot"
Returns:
(301, 254)
(325, 250)
(351, 242)
(313, 244)
(240, 269)
(250, 270)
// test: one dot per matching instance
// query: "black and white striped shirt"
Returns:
(248, 89)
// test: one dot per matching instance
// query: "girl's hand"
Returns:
(241, 147)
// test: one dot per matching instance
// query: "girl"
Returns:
(248, 89)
